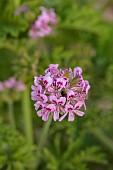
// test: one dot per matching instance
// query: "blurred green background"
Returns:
(83, 37)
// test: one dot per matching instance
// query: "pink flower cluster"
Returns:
(42, 25)
(61, 92)
(11, 83)
(21, 9)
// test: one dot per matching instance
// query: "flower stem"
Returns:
(11, 114)
(43, 137)
(27, 116)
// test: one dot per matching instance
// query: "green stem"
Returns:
(27, 116)
(11, 114)
(43, 137)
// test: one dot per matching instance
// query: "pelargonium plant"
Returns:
(60, 92)
(43, 24)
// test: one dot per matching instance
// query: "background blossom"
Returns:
(43, 24)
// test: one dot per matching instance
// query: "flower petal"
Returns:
(53, 99)
(77, 71)
(79, 113)
(56, 116)
(33, 93)
(62, 117)
(71, 117)
(50, 108)
(44, 98)
(34, 98)
(78, 105)
(60, 83)
(38, 104)
(87, 89)
(84, 105)
(40, 113)
(62, 101)
(68, 107)
(33, 87)
(70, 94)
(39, 89)
(45, 116)
(47, 81)
(36, 81)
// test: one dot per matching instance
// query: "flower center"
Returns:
(63, 93)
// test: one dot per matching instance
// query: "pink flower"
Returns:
(72, 110)
(60, 83)
(43, 24)
(20, 86)
(77, 71)
(44, 113)
(60, 92)
(47, 81)
(52, 17)
(52, 69)
(37, 80)
(21, 9)
(12, 83)
(36, 91)
(58, 103)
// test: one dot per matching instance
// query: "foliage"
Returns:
(15, 153)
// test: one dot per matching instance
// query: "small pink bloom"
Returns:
(20, 86)
(39, 104)
(50, 108)
(36, 90)
(13, 84)
(10, 83)
(58, 103)
(77, 71)
(43, 98)
(37, 80)
(45, 15)
(70, 94)
(60, 83)
(43, 25)
(47, 81)
(72, 110)
(86, 86)
(52, 69)
(41, 112)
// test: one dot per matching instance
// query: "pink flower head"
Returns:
(43, 24)
(61, 92)
(12, 83)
